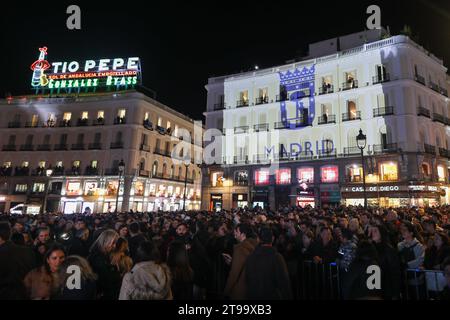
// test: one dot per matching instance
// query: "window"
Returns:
(283, 176)
(76, 164)
(34, 120)
(7, 164)
(41, 164)
(139, 188)
(241, 178)
(441, 173)
(21, 188)
(217, 179)
(388, 171)
(73, 188)
(84, 115)
(101, 114)
(262, 177)
(146, 116)
(351, 109)
(264, 94)
(38, 187)
(63, 139)
(59, 164)
(121, 113)
(67, 116)
(154, 168)
(305, 175)
(25, 164)
(243, 97)
(354, 173)
(381, 73)
(168, 125)
(51, 120)
(329, 174)
(159, 122)
(327, 81)
(94, 163)
(175, 132)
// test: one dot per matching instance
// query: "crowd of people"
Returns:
(240, 254)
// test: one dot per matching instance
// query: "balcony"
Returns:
(95, 146)
(144, 173)
(261, 127)
(219, 106)
(323, 154)
(148, 125)
(260, 158)
(98, 122)
(241, 103)
(75, 171)
(9, 147)
(145, 148)
(348, 151)
(351, 116)
(444, 153)
(112, 172)
(82, 122)
(326, 89)
(91, 171)
(262, 100)
(439, 118)
(421, 111)
(44, 147)
(434, 87)
(116, 145)
(443, 91)
(348, 85)
(119, 120)
(22, 172)
(280, 125)
(14, 124)
(78, 146)
(27, 147)
(282, 97)
(242, 129)
(381, 79)
(65, 123)
(58, 171)
(240, 160)
(383, 111)
(419, 79)
(430, 149)
(326, 119)
(385, 148)
(161, 152)
(161, 130)
(5, 172)
(30, 124)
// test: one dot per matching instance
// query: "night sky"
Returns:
(182, 44)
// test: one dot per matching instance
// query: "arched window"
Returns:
(172, 171)
(155, 168)
(164, 169)
(179, 173)
(142, 164)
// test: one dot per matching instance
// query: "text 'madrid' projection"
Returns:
(68, 77)
(297, 111)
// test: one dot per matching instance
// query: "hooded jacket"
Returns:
(147, 281)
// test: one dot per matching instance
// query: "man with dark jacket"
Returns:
(136, 238)
(15, 262)
(266, 272)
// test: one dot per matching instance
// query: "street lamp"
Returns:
(361, 140)
(48, 173)
(185, 185)
(121, 168)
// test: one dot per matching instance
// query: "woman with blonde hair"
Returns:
(71, 288)
(109, 277)
(120, 258)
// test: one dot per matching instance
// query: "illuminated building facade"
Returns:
(288, 133)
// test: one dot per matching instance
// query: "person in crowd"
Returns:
(150, 279)
(136, 237)
(181, 271)
(109, 277)
(71, 289)
(437, 252)
(42, 243)
(388, 258)
(80, 243)
(123, 231)
(325, 248)
(266, 273)
(42, 283)
(120, 258)
(235, 288)
(347, 249)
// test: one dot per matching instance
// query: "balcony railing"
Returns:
(145, 148)
(262, 100)
(325, 119)
(434, 87)
(239, 159)
(144, 173)
(91, 171)
(282, 97)
(30, 124)
(439, 118)
(326, 89)
(381, 79)
(119, 120)
(27, 147)
(430, 149)
(241, 129)
(241, 103)
(112, 172)
(349, 85)
(95, 146)
(44, 147)
(9, 147)
(419, 79)
(98, 122)
(444, 153)
(383, 111)
(327, 154)
(82, 122)
(280, 125)
(443, 91)
(78, 146)
(162, 152)
(65, 123)
(385, 148)
(351, 151)
(75, 171)
(147, 124)
(421, 111)
(116, 145)
(261, 127)
(219, 106)
(351, 116)
(14, 124)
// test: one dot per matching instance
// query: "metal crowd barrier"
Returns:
(318, 281)
(423, 284)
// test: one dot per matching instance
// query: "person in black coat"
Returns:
(79, 244)
(389, 262)
(325, 249)
(15, 262)
(136, 238)
(266, 273)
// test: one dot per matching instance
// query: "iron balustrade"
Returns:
(383, 111)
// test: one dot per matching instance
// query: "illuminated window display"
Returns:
(330, 174)
(262, 177)
(441, 173)
(139, 188)
(305, 175)
(283, 176)
(388, 171)
(152, 190)
(354, 173)
(217, 179)
(91, 188)
(111, 187)
(73, 188)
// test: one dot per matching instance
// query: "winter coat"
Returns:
(109, 278)
(390, 270)
(235, 287)
(266, 275)
(41, 284)
(147, 281)
(411, 254)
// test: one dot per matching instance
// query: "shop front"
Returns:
(240, 200)
(216, 202)
(260, 197)
(305, 197)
